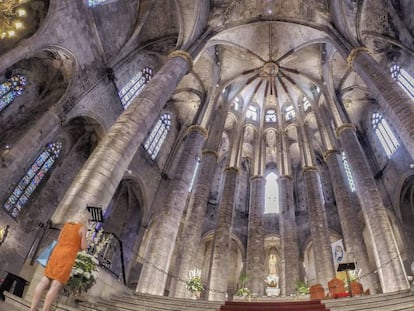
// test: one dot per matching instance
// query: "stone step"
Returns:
(201, 304)
(381, 302)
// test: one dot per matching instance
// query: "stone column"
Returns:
(189, 242)
(288, 233)
(222, 237)
(97, 181)
(255, 256)
(390, 268)
(398, 106)
(325, 270)
(351, 226)
(154, 274)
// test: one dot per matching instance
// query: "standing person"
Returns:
(72, 239)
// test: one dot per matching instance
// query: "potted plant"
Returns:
(193, 283)
(302, 288)
(243, 291)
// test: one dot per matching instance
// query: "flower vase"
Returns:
(195, 295)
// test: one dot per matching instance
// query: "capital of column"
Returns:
(209, 152)
(329, 152)
(184, 55)
(285, 177)
(198, 128)
(343, 127)
(231, 168)
(353, 54)
(309, 168)
(256, 177)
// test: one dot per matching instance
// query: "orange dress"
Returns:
(63, 256)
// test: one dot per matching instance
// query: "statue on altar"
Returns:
(272, 280)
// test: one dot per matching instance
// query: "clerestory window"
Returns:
(157, 136)
(271, 194)
(10, 89)
(33, 178)
(135, 86)
(403, 79)
(384, 133)
(270, 116)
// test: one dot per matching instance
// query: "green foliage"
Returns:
(302, 288)
(83, 275)
(244, 291)
(194, 284)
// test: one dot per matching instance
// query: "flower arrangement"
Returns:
(193, 283)
(302, 288)
(85, 269)
(243, 292)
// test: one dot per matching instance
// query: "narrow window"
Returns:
(384, 133)
(270, 116)
(289, 113)
(306, 103)
(194, 175)
(92, 3)
(236, 104)
(348, 172)
(157, 136)
(271, 194)
(403, 79)
(135, 86)
(251, 113)
(10, 89)
(34, 176)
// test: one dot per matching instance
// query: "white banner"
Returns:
(338, 251)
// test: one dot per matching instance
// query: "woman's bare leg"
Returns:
(41, 286)
(52, 294)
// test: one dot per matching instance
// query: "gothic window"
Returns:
(403, 79)
(306, 103)
(289, 113)
(157, 136)
(194, 174)
(10, 89)
(384, 133)
(251, 113)
(270, 116)
(96, 2)
(34, 176)
(348, 172)
(271, 194)
(236, 104)
(135, 86)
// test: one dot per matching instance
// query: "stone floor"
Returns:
(6, 307)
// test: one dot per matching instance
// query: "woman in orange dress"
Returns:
(72, 239)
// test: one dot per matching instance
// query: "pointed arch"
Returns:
(271, 194)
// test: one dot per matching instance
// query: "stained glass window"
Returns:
(135, 86)
(403, 79)
(271, 194)
(348, 172)
(251, 113)
(10, 89)
(157, 136)
(34, 175)
(306, 103)
(270, 116)
(384, 133)
(289, 113)
(96, 2)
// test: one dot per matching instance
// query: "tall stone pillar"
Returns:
(255, 256)
(398, 107)
(154, 274)
(390, 268)
(351, 226)
(190, 238)
(222, 237)
(97, 181)
(325, 270)
(288, 234)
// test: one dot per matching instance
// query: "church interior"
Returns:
(254, 144)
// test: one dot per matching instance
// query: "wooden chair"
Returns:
(317, 292)
(337, 288)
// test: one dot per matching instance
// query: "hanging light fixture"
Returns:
(11, 14)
